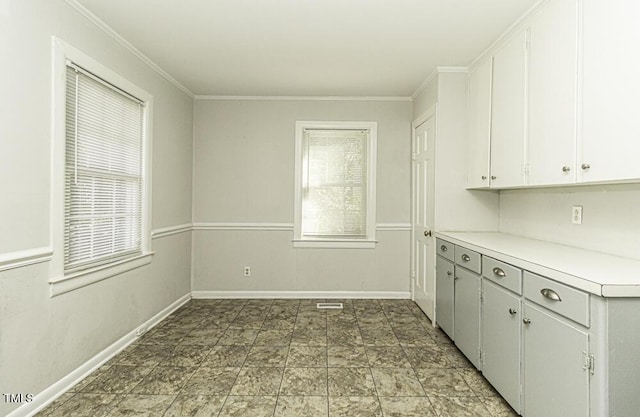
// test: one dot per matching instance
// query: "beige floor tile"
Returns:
(298, 406)
(244, 406)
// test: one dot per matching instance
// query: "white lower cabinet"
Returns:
(556, 378)
(501, 319)
(467, 314)
(444, 295)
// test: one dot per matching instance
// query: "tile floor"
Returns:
(285, 358)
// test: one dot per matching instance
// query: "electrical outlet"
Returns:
(247, 271)
(576, 215)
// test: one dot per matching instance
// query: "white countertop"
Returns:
(596, 273)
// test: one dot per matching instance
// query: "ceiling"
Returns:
(354, 48)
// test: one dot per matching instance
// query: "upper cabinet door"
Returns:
(479, 125)
(508, 113)
(611, 90)
(552, 91)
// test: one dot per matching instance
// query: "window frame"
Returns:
(61, 282)
(369, 242)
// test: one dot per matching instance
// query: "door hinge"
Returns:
(481, 357)
(589, 363)
(481, 296)
(413, 273)
(413, 156)
(526, 168)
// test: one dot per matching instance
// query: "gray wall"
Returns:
(43, 339)
(244, 173)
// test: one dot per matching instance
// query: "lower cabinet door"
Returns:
(444, 295)
(556, 382)
(467, 314)
(501, 318)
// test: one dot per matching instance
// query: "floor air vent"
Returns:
(337, 306)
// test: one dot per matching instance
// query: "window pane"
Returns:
(103, 173)
(335, 183)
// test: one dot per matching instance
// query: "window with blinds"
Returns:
(335, 184)
(103, 172)
(334, 181)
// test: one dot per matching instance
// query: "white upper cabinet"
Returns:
(479, 125)
(552, 94)
(611, 90)
(508, 113)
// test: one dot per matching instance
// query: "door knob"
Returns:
(566, 169)
(586, 166)
(512, 311)
(526, 321)
(427, 233)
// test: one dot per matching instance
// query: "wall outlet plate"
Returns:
(576, 215)
(247, 271)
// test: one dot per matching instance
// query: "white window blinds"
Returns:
(103, 172)
(334, 184)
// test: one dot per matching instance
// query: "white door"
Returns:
(422, 243)
(553, 69)
(508, 113)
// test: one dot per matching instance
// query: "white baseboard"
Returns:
(302, 294)
(47, 396)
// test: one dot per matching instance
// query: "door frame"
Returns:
(431, 112)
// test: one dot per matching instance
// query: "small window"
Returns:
(103, 172)
(335, 184)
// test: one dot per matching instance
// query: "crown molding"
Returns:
(432, 76)
(300, 98)
(122, 41)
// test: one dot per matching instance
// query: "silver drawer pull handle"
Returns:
(550, 294)
(499, 272)
(466, 258)
(443, 248)
(566, 169)
(586, 166)
(512, 311)
(449, 273)
(526, 321)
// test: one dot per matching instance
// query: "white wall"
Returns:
(611, 223)
(244, 173)
(42, 338)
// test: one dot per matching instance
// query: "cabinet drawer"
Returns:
(468, 259)
(502, 274)
(445, 249)
(564, 300)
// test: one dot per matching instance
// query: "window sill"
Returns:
(81, 279)
(335, 244)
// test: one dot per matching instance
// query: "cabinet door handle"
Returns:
(466, 257)
(550, 294)
(493, 177)
(526, 321)
(586, 166)
(566, 168)
(427, 233)
(499, 272)
(484, 177)
(443, 248)
(449, 273)
(512, 311)
(456, 278)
